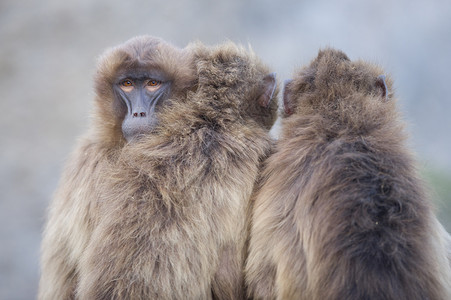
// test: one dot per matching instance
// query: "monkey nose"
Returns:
(139, 114)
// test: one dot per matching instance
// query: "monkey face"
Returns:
(139, 94)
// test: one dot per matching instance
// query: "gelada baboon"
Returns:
(341, 213)
(153, 202)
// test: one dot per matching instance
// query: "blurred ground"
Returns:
(48, 51)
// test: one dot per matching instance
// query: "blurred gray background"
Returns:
(48, 51)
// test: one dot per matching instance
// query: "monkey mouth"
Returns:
(133, 128)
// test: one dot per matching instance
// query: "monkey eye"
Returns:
(153, 84)
(127, 85)
(127, 82)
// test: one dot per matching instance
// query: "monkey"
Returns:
(154, 201)
(340, 212)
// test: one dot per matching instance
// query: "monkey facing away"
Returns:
(153, 202)
(340, 213)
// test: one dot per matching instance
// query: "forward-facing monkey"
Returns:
(341, 213)
(153, 202)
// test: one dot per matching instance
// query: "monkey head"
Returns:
(233, 83)
(342, 90)
(133, 80)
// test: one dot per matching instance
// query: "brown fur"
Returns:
(163, 217)
(341, 213)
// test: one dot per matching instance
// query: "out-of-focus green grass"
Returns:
(439, 183)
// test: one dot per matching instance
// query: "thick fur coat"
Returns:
(341, 213)
(163, 217)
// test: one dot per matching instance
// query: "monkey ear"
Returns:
(269, 87)
(380, 84)
(287, 101)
